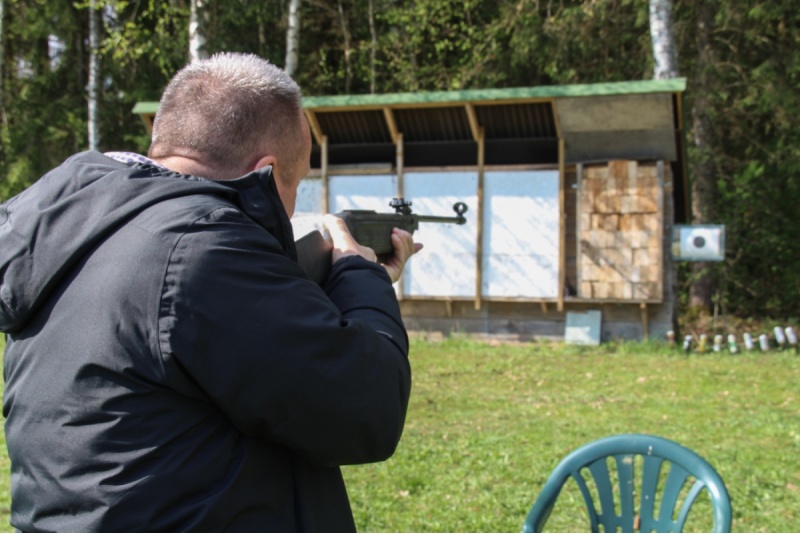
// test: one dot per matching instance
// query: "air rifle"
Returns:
(369, 229)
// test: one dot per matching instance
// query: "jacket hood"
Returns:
(49, 227)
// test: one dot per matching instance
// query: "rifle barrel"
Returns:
(433, 218)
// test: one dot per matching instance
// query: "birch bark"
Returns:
(94, 76)
(293, 37)
(197, 30)
(663, 39)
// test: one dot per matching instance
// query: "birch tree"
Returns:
(665, 60)
(663, 39)
(293, 37)
(197, 30)
(94, 76)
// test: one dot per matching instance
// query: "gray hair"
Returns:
(225, 108)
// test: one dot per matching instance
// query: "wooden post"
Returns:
(645, 322)
(666, 242)
(324, 173)
(578, 275)
(562, 224)
(400, 166)
(400, 194)
(480, 216)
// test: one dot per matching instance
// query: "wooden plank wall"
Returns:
(620, 231)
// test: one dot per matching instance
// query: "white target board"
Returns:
(699, 242)
(521, 234)
(309, 197)
(446, 266)
(361, 192)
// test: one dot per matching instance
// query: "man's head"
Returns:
(227, 115)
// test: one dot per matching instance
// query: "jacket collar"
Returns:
(258, 198)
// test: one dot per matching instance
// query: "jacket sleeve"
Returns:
(324, 372)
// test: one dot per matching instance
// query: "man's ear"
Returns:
(265, 161)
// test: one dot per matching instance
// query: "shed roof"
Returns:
(493, 95)
(524, 125)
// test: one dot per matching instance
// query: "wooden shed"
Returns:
(572, 194)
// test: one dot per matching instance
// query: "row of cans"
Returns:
(782, 339)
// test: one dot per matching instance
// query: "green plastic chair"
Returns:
(591, 460)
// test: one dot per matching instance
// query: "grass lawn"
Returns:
(487, 424)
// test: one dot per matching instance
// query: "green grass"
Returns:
(487, 424)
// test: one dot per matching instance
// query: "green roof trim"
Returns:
(475, 95)
(143, 108)
(674, 85)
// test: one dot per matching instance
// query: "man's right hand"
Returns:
(345, 245)
(343, 242)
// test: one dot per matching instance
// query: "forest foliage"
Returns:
(739, 59)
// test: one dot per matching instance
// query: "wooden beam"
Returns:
(472, 117)
(578, 274)
(313, 123)
(400, 194)
(645, 321)
(562, 225)
(681, 150)
(556, 118)
(480, 216)
(391, 123)
(400, 166)
(148, 120)
(324, 173)
(664, 251)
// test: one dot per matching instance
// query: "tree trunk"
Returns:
(347, 51)
(293, 37)
(197, 30)
(664, 50)
(702, 287)
(665, 59)
(373, 47)
(2, 82)
(94, 76)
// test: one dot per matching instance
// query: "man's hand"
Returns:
(343, 242)
(404, 248)
(345, 245)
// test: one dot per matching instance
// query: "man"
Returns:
(168, 365)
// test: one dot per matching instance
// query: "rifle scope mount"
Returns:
(403, 207)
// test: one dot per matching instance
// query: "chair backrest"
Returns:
(687, 476)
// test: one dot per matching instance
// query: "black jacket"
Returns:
(168, 365)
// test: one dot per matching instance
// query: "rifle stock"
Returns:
(314, 255)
